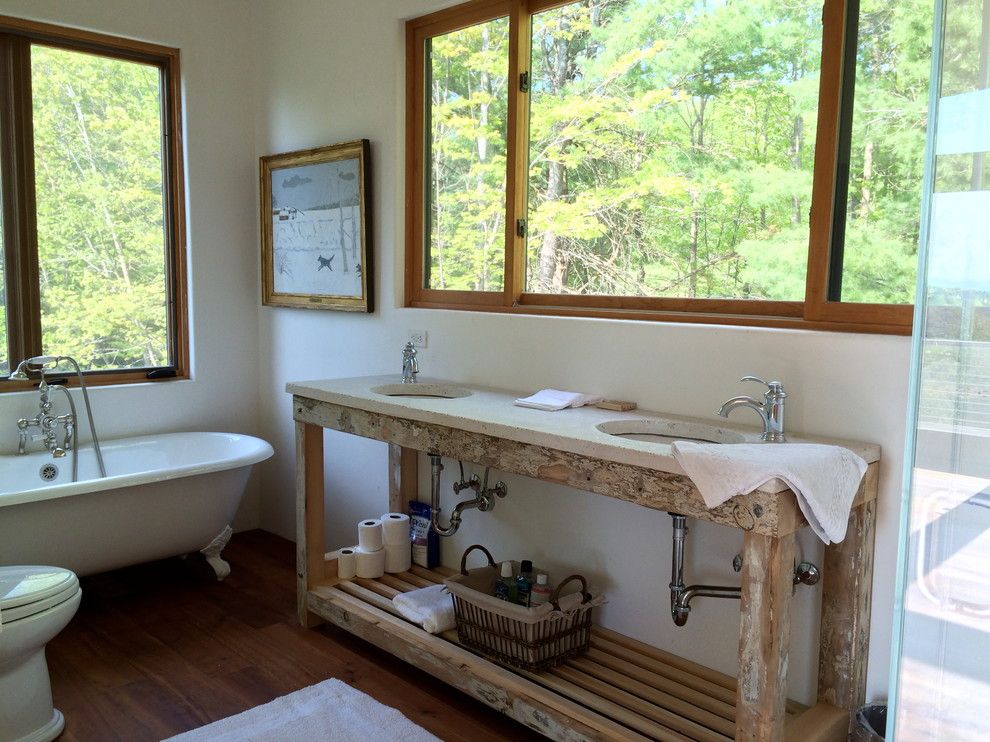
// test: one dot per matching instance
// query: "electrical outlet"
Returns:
(418, 338)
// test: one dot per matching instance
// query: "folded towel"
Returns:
(554, 399)
(824, 479)
(431, 607)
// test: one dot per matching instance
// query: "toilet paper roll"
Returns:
(398, 557)
(370, 534)
(395, 528)
(370, 564)
(347, 563)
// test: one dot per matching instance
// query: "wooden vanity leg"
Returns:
(311, 540)
(764, 633)
(847, 582)
(403, 476)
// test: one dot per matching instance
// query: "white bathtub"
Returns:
(164, 495)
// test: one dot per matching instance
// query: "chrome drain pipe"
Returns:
(680, 594)
(484, 500)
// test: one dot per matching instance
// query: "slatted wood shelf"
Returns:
(621, 689)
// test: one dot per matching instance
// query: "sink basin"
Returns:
(658, 430)
(422, 391)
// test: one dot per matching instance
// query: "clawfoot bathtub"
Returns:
(164, 495)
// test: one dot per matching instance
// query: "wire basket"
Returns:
(535, 638)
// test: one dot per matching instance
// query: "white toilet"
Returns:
(35, 604)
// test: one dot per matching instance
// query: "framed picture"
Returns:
(316, 247)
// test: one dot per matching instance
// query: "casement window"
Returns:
(92, 208)
(733, 161)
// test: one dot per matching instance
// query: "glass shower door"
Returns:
(941, 663)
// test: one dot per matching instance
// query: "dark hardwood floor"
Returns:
(163, 647)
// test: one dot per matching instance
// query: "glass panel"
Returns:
(886, 158)
(941, 670)
(672, 146)
(468, 93)
(99, 184)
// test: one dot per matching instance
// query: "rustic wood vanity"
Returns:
(621, 689)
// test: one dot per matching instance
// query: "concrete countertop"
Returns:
(492, 412)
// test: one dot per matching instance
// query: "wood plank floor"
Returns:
(162, 648)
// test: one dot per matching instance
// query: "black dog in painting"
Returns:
(325, 263)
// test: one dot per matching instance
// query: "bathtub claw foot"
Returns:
(212, 553)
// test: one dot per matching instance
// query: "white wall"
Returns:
(218, 103)
(333, 71)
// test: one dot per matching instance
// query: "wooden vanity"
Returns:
(622, 689)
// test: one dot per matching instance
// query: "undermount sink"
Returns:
(424, 391)
(658, 430)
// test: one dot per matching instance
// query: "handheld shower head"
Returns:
(35, 363)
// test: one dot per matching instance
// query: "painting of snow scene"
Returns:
(316, 229)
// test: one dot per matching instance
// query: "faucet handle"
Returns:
(773, 387)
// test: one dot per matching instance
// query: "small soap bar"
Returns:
(616, 404)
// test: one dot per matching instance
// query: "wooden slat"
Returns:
(613, 710)
(821, 723)
(426, 574)
(368, 596)
(377, 587)
(394, 581)
(411, 579)
(548, 713)
(670, 720)
(764, 634)
(725, 709)
(661, 698)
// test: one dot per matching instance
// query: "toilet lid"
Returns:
(25, 591)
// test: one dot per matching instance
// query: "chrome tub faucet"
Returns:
(410, 365)
(770, 410)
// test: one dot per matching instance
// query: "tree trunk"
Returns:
(797, 151)
(866, 192)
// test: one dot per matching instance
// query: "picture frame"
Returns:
(316, 246)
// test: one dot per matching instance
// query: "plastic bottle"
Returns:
(524, 583)
(505, 586)
(542, 590)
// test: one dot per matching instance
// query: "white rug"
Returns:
(330, 710)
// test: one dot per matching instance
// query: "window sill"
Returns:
(112, 378)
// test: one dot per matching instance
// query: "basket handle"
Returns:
(584, 591)
(468, 550)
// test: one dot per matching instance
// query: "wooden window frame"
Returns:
(18, 184)
(816, 311)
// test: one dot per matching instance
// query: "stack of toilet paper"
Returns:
(383, 546)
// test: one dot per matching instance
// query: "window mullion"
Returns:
(517, 153)
(17, 181)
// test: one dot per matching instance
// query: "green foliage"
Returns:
(672, 149)
(98, 170)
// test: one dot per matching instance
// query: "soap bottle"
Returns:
(505, 587)
(524, 583)
(542, 590)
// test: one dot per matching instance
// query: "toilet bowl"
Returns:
(35, 604)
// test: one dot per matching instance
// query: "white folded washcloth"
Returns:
(431, 607)
(824, 479)
(554, 399)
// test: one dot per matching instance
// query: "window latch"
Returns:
(520, 227)
(524, 82)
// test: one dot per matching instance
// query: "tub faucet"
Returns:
(48, 424)
(770, 410)
(410, 365)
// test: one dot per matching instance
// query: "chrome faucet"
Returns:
(770, 410)
(410, 366)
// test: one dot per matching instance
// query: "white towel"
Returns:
(431, 607)
(554, 399)
(824, 479)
